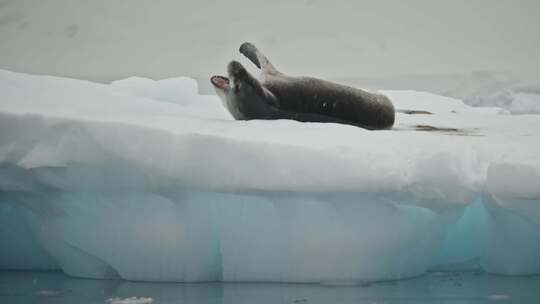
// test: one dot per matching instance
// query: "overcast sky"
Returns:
(104, 40)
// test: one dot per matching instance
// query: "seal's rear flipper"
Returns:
(253, 54)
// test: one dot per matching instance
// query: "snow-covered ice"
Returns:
(519, 100)
(148, 180)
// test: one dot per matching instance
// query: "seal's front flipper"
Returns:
(253, 54)
(250, 51)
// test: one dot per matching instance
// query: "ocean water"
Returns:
(434, 287)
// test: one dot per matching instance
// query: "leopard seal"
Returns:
(278, 96)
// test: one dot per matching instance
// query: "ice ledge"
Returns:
(108, 182)
(194, 236)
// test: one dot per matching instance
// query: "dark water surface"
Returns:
(437, 287)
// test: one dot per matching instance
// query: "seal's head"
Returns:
(241, 93)
(238, 78)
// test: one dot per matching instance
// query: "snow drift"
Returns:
(148, 180)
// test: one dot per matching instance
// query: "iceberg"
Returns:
(517, 100)
(150, 181)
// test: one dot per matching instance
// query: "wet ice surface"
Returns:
(435, 287)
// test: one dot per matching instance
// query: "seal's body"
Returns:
(278, 96)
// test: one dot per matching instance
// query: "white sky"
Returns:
(103, 40)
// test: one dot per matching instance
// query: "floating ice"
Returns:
(138, 180)
(49, 293)
(132, 300)
(499, 297)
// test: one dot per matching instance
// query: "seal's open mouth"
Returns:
(221, 82)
